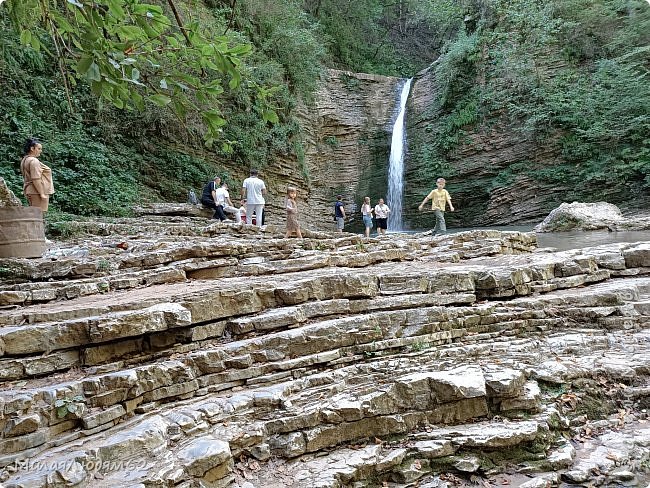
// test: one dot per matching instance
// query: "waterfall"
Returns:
(396, 163)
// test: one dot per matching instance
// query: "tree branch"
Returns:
(179, 21)
(231, 20)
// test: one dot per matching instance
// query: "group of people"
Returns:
(439, 197)
(216, 196)
(38, 186)
(251, 210)
(381, 211)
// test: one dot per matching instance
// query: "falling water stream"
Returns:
(396, 163)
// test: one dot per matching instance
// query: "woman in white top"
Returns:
(381, 216)
(366, 212)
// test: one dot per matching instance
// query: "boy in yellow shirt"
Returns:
(439, 198)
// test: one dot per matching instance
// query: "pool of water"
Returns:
(577, 240)
(567, 240)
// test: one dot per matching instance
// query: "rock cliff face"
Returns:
(486, 187)
(347, 138)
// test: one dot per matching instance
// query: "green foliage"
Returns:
(569, 74)
(131, 53)
(391, 38)
(283, 32)
(456, 71)
(75, 406)
(104, 159)
(418, 346)
(62, 225)
(331, 141)
(350, 82)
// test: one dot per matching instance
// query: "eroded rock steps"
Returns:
(216, 359)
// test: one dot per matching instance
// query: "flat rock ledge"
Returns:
(167, 353)
(174, 210)
(591, 216)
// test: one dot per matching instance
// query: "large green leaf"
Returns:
(116, 10)
(84, 64)
(26, 37)
(160, 100)
(93, 73)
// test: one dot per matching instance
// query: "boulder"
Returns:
(7, 197)
(591, 216)
(581, 216)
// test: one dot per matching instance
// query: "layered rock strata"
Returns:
(347, 133)
(226, 356)
(485, 170)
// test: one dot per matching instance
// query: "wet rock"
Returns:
(411, 471)
(139, 440)
(536, 483)
(505, 382)
(459, 383)
(22, 425)
(529, 399)
(103, 417)
(622, 476)
(562, 457)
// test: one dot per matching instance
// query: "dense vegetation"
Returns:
(105, 159)
(571, 73)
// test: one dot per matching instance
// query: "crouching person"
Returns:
(222, 198)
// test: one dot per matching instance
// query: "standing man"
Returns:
(209, 198)
(339, 213)
(439, 199)
(254, 191)
(222, 197)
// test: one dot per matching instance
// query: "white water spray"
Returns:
(396, 163)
